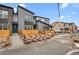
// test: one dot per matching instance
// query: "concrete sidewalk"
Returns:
(16, 40)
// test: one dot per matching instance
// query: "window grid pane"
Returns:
(3, 14)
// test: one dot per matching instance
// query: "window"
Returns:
(28, 27)
(30, 18)
(5, 26)
(66, 29)
(3, 14)
(26, 17)
(46, 21)
(31, 27)
(61, 29)
(25, 27)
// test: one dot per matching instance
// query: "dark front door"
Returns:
(14, 28)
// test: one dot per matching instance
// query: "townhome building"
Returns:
(23, 19)
(64, 27)
(6, 17)
(77, 28)
(42, 23)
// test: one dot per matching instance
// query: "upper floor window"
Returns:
(46, 21)
(28, 18)
(3, 14)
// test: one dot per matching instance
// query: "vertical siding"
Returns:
(40, 26)
(15, 18)
(21, 15)
(20, 19)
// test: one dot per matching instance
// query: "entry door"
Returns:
(14, 29)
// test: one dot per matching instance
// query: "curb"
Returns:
(72, 51)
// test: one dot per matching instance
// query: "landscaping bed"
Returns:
(38, 36)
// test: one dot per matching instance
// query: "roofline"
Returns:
(42, 17)
(7, 7)
(64, 22)
(25, 9)
(43, 23)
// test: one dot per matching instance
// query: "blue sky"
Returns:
(68, 12)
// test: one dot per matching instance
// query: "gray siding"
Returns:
(41, 26)
(15, 18)
(21, 16)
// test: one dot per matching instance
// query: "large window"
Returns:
(66, 29)
(28, 18)
(46, 21)
(4, 14)
(3, 26)
(25, 26)
(28, 27)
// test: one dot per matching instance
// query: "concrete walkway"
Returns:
(16, 40)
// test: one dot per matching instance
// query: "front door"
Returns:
(14, 28)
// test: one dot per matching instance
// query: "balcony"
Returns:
(3, 20)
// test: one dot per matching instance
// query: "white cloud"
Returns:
(64, 5)
(23, 5)
(74, 12)
(62, 17)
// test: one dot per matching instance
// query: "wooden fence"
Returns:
(30, 32)
(4, 33)
(36, 32)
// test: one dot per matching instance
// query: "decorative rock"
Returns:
(42, 35)
(34, 40)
